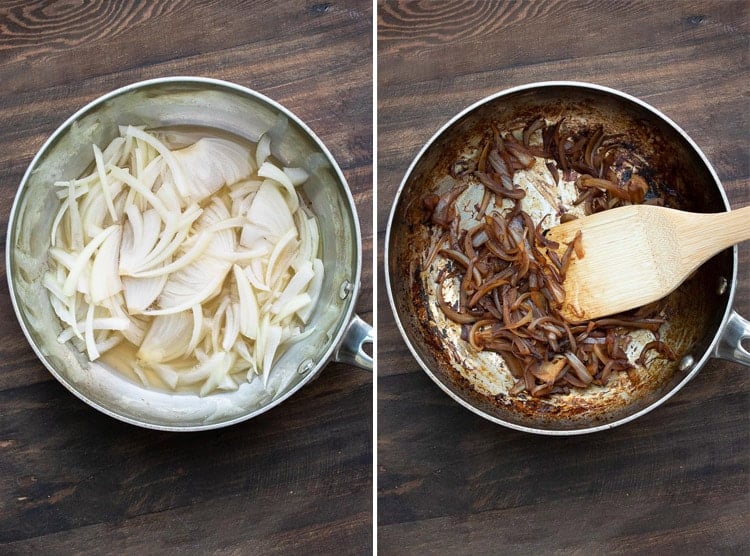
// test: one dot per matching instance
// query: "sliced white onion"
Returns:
(91, 349)
(104, 183)
(243, 189)
(196, 283)
(166, 153)
(167, 374)
(105, 278)
(140, 293)
(105, 323)
(211, 163)
(113, 151)
(272, 338)
(195, 251)
(133, 183)
(74, 220)
(269, 215)
(283, 254)
(140, 250)
(316, 286)
(198, 328)
(297, 176)
(231, 327)
(201, 371)
(271, 171)
(84, 258)
(296, 285)
(263, 150)
(109, 343)
(292, 306)
(167, 338)
(218, 371)
(248, 304)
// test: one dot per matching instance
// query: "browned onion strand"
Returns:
(510, 277)
(663, 349)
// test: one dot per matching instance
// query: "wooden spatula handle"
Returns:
(720, 230)
(636, 254)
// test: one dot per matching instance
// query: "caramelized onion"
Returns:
(524, 157)
(637, 188)
(450, 312)
(663, 349)
(553, 171)
(510, 276)
(532, 128)
(614, 189)
(444, 211)
(500, 189)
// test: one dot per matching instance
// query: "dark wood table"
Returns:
(296, 479)
(676, 481)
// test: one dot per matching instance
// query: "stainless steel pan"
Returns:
(338, 334)
(701, 322)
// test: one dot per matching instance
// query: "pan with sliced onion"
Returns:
(169, 262)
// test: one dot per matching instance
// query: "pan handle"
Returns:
(730, 343)
(350, 349)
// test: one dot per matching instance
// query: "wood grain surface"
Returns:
(675, 481)
(297, 479)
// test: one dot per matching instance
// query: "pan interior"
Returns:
(481, 379)
(171, 103)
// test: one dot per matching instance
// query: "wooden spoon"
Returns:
(637, 254)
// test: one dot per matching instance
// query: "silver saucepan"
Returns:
(701, 323)
(338, 334)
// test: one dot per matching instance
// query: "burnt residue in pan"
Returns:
(645, 144)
